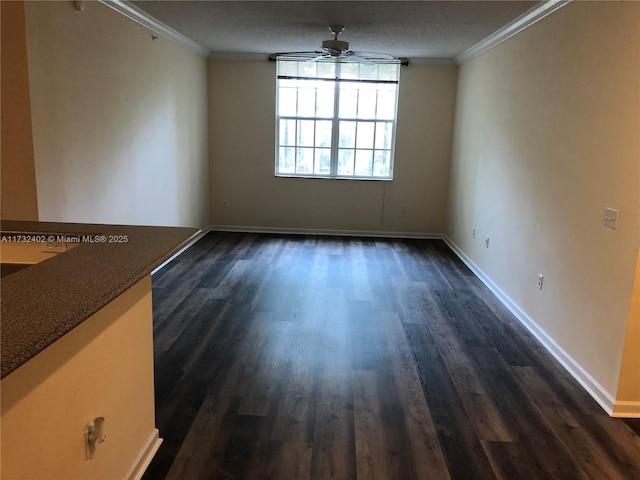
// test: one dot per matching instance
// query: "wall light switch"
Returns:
(610, 218)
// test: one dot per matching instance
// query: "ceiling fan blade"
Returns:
(319, 57)
(375, 56)
(357, 58)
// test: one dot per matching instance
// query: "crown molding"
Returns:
(143, 18)
(525, 20)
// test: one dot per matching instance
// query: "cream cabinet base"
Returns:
(102, 368)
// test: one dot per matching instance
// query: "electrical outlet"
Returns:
(610, 218)
(486, 242)
(540, 279)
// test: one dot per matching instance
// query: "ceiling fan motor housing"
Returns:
(337, 50)
(337, 45)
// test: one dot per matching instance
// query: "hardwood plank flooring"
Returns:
(304, 357)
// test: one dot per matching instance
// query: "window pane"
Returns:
(347, 134)
(365, 135)
(287, 160)
(288, 84)
(326, 69)
(368, 72)
(323, 133)
(306, 102)
(381, 164)
(348, 101)
(367, 104)
(323, 161)
(305, 133)
(364, 163)
(287, 132)
(304, 162)
(287, 68)
(307, 69)
(383, 135)
(345, 162)
(388, 71)
(287, 102)
(349, 70)
(324, 106)
(386, 104)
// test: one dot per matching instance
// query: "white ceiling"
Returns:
(415, 29)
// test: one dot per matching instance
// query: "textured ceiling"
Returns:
(414, 29)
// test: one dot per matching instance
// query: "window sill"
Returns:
(327, 177)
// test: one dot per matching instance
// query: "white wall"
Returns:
(546, 136)
(242, 149)
(119, 120)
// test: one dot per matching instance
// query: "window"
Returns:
(336, 119)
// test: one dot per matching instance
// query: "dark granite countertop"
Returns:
(42, 303)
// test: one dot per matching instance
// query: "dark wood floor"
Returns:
(315, 357)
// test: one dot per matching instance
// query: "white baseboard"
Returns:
(197, 237)
(597, 391)
(327, 232)
(145, 456)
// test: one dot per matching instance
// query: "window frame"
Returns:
(335, 148)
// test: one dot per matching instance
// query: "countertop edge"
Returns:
(44, 302)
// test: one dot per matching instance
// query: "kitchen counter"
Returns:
(43, 302)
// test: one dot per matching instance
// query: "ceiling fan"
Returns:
(338, 50)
